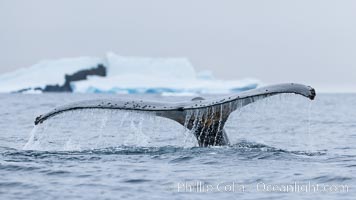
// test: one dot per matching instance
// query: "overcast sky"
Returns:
(306, 41)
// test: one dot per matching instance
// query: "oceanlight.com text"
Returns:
(202, 187)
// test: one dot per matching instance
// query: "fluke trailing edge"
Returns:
(205, 118)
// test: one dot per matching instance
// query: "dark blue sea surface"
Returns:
(283, 147)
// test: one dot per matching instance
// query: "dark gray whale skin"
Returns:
(205, 118)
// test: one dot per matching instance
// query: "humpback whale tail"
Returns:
(205, 118)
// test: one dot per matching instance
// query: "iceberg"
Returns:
(179, 68)
(120, 74)
(47, 72)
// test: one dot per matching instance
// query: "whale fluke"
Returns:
(204, 117)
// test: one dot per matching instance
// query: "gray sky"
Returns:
(306, 41)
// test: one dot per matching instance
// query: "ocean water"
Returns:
(284, 147)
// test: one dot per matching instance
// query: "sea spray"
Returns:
(310, 137)
(99, 128)
(189, 137)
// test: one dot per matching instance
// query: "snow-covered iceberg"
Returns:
(119, 74)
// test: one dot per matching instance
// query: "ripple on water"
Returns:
(331, 179)
(136, 181)
(14, 168)
(244, 150)
(181, 159)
